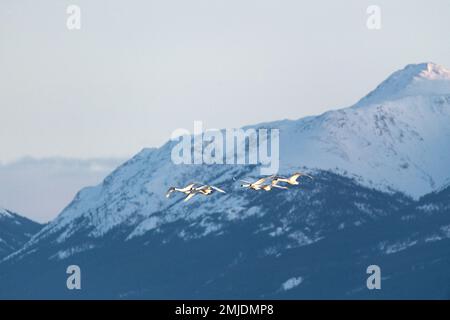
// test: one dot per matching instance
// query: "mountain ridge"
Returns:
(399, 146)
(426, 78)
(15, 231)
(378, 195)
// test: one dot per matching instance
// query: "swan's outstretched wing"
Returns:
(279, 187)
(245, 181)
(260, 181)
(295, 176)
(190, 195)
(299, 174)
(188, 187)
(218, 189)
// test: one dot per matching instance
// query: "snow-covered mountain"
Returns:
(397, 137)
(401, 143)
(376, 164)
(15, 231)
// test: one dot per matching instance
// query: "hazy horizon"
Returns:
(26, 184)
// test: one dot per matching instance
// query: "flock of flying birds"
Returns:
(266, 184)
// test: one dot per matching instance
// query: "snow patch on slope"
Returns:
(291, 283)
(64, 254)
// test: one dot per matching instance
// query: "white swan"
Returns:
(292, 180)
(185, 190)
(259, 184)
(205, 190)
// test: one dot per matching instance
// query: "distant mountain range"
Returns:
(380, 195)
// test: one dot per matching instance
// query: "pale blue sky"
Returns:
(137, 70)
